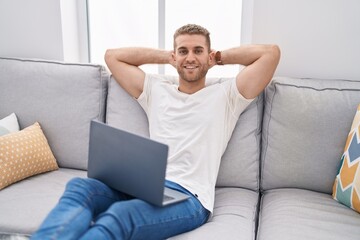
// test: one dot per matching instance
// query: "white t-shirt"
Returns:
(197, 128)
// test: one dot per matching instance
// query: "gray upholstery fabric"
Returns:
(235, 216)
(240, 162)
(295, 214)
(306, 122)
(62, 97)
(24, 205)
(14, 237)
(124, 112)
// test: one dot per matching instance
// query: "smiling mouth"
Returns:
(190, 67)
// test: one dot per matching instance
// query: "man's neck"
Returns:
(191, 87)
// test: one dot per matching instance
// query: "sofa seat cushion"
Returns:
(234, 217)
(296, 214)
(24, 205)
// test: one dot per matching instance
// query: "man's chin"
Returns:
(191, 77)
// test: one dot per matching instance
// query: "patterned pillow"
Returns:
(346, 187)
(23, 154)
(9, 124)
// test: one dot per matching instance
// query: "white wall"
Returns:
(74, 28)
(318, 38)
(31, 28)
(45, 29)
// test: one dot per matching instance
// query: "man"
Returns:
(194, 119)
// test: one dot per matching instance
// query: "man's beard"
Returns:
(200, 73)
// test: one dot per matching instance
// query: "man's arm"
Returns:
(124, 65)
(260, 63)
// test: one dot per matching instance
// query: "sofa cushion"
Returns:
(298, 214)
(9, 124)
(306, 122)
(23, 154)
(234, 217)
(347, 183)
(240, 162)
(63, 97)
(24, 205)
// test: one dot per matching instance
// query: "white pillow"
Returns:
(9, 124)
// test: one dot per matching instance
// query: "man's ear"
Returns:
(173, 59)
(212, 56)
(173, 56)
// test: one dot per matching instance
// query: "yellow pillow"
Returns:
(24, 154)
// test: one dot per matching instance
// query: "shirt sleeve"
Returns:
(236, 101)
(145, 96)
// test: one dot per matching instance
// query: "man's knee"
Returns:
(127, 210)
(83, 183)
(77, 181)
(80, 189)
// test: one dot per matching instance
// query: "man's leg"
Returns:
(136, 219)
(82, 200)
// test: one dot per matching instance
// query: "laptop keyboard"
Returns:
(167, 198)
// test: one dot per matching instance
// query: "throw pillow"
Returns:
(23, 154)
(346, 187)
(9, 124)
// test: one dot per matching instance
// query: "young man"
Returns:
(194, 119)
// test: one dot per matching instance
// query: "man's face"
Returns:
(191, 57)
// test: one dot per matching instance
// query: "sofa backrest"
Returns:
(62, 97)
(240, 162)
(305, 125)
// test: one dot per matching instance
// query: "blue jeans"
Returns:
(90, 209)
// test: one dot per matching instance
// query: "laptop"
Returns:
(130, 163)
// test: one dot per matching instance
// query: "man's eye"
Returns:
(182, 52)
(198, 51)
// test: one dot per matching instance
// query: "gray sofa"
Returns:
(276, 176)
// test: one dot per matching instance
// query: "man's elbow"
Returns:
(275, 52)
(109, 56)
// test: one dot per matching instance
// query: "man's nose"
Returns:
(190, 57)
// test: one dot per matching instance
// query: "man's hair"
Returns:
(193, 29)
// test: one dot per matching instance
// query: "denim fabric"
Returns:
(89, 209)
